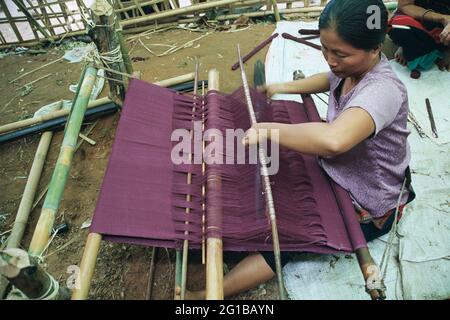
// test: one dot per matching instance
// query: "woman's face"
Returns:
(344, 59)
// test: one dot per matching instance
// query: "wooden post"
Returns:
(108, 44)
(87, 267)
(275, 11)
(52, 201)
(25, 273)
(214, 246)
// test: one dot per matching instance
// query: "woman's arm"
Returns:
(411, 9)
(323, 139)
(313, 84)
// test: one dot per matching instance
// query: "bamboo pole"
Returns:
(53, 199)
(151, 273)
(107, 42)
(125, 54)
(188, 199)
(28, 196)
(267, 188)
(214, 246)
(175, 12)
(269, 12)
(87, 266)
(49, 116)
(178, 267)
(34, 70)
(203, 175)
(275, 11)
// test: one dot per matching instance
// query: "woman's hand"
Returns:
(269, 90)
(254, 135)
(445, 34)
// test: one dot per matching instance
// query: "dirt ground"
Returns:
(122, 270)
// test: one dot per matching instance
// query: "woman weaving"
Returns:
(363, 146)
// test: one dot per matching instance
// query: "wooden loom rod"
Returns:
(214, 246)
(267, 188)
(87, 266)
(203, 174)
(184, 265)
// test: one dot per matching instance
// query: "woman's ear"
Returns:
(376, 51)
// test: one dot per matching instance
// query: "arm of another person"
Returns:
(411, 9)
(313, 84)
(324, 139)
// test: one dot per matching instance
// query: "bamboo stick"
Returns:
(275, 10)
(34, 70)
(151, 273)
(61, 172)
(48, 116)
(175, 12)
(267, 188)
(214, 246)
(269, 12)
(87, 266)
(29, 193)
(188, 199)
(203, 174)
(178, 267)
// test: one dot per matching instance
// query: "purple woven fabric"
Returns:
(143, 197)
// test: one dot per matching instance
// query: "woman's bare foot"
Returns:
(399, 56)
(415, 74)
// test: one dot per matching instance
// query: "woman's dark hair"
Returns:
(355, 21)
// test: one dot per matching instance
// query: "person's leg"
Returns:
(250, 272)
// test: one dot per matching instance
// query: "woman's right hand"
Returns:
(269, 90)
